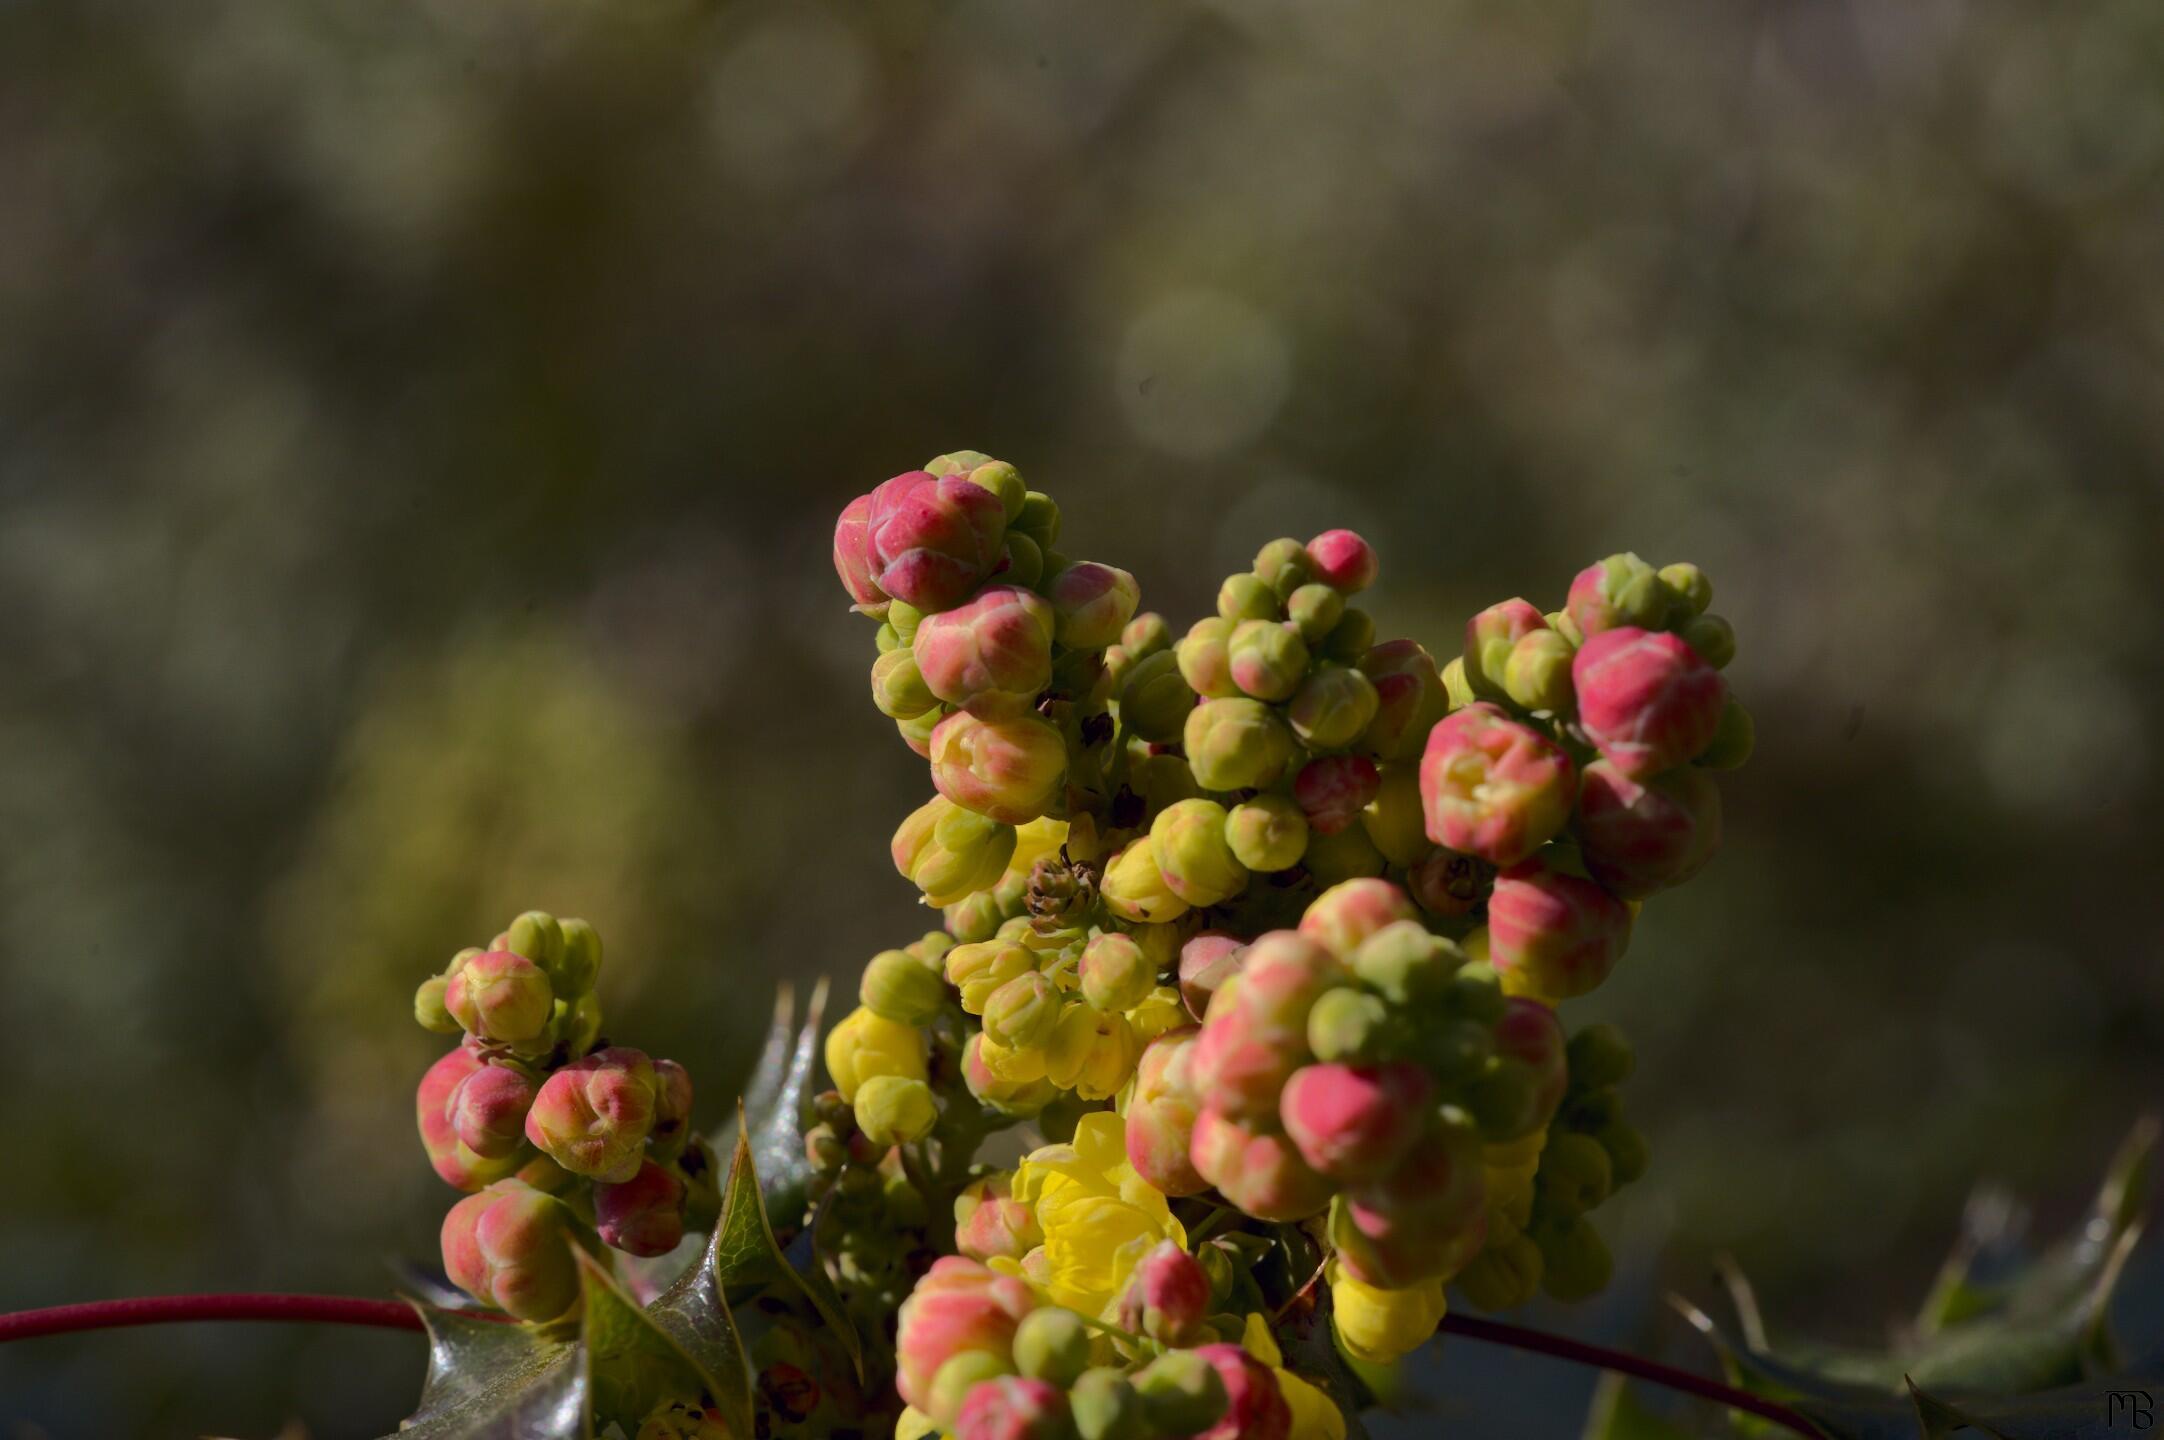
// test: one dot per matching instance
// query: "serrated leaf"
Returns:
(633, 1362)
(767, 1072)
(777, 1124)
(693, 1313)
(746, 1255)
(488, 1380)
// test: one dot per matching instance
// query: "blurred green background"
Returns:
(421, 425)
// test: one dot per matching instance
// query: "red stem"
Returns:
(1562, 1347)
(392, 1315)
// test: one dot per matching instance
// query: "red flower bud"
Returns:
(1258, 1170)
(1343, 561)
(1255, 1407)
(1169, 1297)
(644, 1215)
(1636, 837)
(1332, 789)
(1354, 1122)
(1493, 787)
(1647, 699)
(1561, 933)
(929, 540)
(489, 1110)
(1161, 1116)
(998, 648)
(851, 559)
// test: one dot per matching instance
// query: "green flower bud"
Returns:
(1116, 973)
(1347, 854)
(1505, 1099)
(1626, 1149)
(1236, 744)
(1267, 833)
(1022, 1013)
(1193, 854)
(1618, 591)
(1502, 1277)
(1245, 597)
(1456, 686)
(1348, 1024)
(1350, 638)
(898, 986)
(1537, 674)
(1575, 1263)
(1689, 585)
(538, 937)
(1713, 638)
(1203, 661)
(1560, 622)
(996, 476)
(1489, 638)
(898, 687)
(1155, 698)
(1267, 658)
(1025, 561)
(1477, 993)
(1332, 707)
(1454, 1050)
(577, 1022)
(1162, 781)
(580, 962)
(1314, 611)
(1146, 634)
(893, 1110)
(1106, 1407)
(916, 731)
(904, 618)
(980, 969)
(1134, 886)
(1575, 1175)
(962, 1374)
(1407, 965)
(1733, 741)
(1600, 1056)
(429, 1009)
(1181, 1392)
(1284, 565)
(1052, 1344)
(1039, 519)
(949, 851)
(500, 995)
(885, 639)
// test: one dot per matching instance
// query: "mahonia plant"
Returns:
(1237, 1046)
(560, 1139)
(1263, 928)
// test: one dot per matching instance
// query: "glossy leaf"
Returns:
(488, 1380)
(777, 1124)
(635, 1364)
(694, 1315)
(746, 1255)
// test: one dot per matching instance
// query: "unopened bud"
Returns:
(1494, 787)
(1409, 699)
(1021, 1013)
(1712, 637)
(1052, 1344)
(1314, 611)
(1347, 914)
(1134, 886)
(1008, 768)
(1575, 1175)
(592, 1116)
(429, 1008)
(1354, 1122)
(1267, 833)
(931, 540)
(980, 969)
(950, 852)
(1258, 1170)
(1332, 790)
(893, 1110)
(1106, 1407)
(899, 987)
(1092, 603)
(1490, 637)
(865, 1044)
(1194, 856)
(1181, 1392)
(508, 1247)
(1575, 1263)
(1155, 698)
(1406, 964)
(1333, 707)
(1561, 935)
(642, 1216)
(1169, 1297)
(1733, 739)
(1689, 585)
(1343, 561)
(1537, 674)
(1347, 1024)
(500, 995)
(1378, 1325)
(898, 687)
(1114, 972)
(1203, 661)
(1646, 699)
(1619, 591)
(1637, 837)
(1346, 855)
(1350, 638)
(1267, 658)
(996, 649)
(488, 1111)
(1245, 597)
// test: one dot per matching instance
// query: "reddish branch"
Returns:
(392, 1315)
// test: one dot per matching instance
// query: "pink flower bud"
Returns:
(592, 1116)
(1489, 638)
(1492, 787)
(1332, 789)
(1093, 604)
(1255, 1035)
(1206, 962)
(1354, 1123)
(1259, 1171)
(996, 649)
(1621, 590)
(1169, 1297)
(500, 995)
(1161, 1116)
(1013, 1407)
(852, 561)
(1343, 561)
(457, 1164)
(1008, 768)
(1409, 699)
(643, 1215)
(958, 1306)
(1423, 1221)
(990, 1223)
(489, 1110)
(1636, 837)
(1561, 933)
(931, 541)
(507, 1247)
(1346, 914)
(672, 1109)
(1255, 1407)
(1647, 699)
(1530, 1034)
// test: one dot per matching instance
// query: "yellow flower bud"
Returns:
(1394, 819)
(980, 969)
(1134, 887)
(891, 1110)
(1090, 1052)
(1378, 1325)
(865, 1045)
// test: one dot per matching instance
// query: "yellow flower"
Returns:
(1098, 1216)
(1090, 1052)
(1314, 1415)
(865, 1044)
(1378, 1325)
(914, 1424)
(1161, 1010)
(1032, 842)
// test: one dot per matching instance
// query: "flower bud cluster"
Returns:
(560, 1139)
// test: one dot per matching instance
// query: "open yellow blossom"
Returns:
(1098, 1216)
(1091, 1053)
(1315, 1416)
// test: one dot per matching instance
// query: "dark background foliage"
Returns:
(420, 427)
